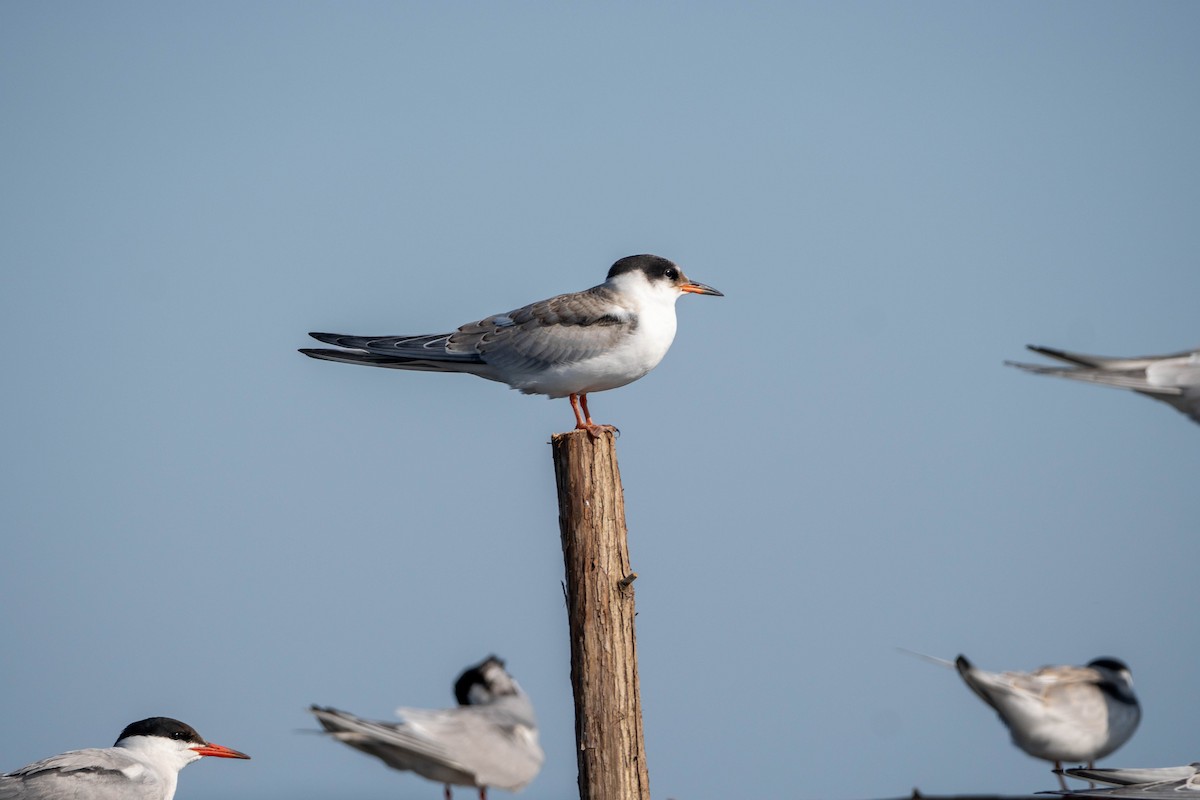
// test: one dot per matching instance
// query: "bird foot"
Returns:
(594, 430)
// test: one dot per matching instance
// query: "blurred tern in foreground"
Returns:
(1153, 783)
(1173, 378)
(568, 346)
(1060, 713)
(491, 739)
(144, 764)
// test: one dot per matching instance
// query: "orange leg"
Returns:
(580, 425)
(583, 419)
(589, 426)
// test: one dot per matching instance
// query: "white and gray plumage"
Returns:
(1061, 713)
(490, 739)
(144, 764)
(568, 346)
(1152, 783)
(1173, 378)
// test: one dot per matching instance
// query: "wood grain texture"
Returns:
(600, 614)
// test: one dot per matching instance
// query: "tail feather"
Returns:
(391, 362)
(975, 679)
(1118, 379)
(1103, 362)
(1129, 777)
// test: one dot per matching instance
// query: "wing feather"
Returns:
(566, 328)
(485, 744)
(97, 774)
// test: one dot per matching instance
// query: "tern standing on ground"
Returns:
(144, 764)
(1061, 713)
(568, 346)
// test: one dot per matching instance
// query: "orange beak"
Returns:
(700, 288)
(219, 751)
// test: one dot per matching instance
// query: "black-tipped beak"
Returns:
(700, 288)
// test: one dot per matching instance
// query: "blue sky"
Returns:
(830, 463)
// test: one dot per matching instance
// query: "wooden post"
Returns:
(599, 588)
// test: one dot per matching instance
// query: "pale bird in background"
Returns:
(144, 764)
(1059, 713)
(568, 346)
(1174, 378)
(490, 739)
(1153, 783)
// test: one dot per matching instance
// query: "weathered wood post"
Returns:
(599, 587)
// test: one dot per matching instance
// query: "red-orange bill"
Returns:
(219, 751)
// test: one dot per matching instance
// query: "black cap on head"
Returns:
(1117, 688)
(475, 678)
(653, 266)
(162, 726)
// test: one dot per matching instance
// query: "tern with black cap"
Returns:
(1061, 713)
(568, 346)
(144, 764)
(490, 739)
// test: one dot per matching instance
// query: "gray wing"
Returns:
(1063, 691)
(428, 353)
(96, 774)
(1104, 362)
(1126, 777)
(397, 745)
(1120, 379)
(563, 329)
(994, 688)
(484, 752)
(1160, 790)
(1174, 378)
(499, 747)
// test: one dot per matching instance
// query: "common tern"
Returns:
(568, 346)
(1059, 713)
(490, 739)
(144, 764)
(1173, 378)
(1158, 783)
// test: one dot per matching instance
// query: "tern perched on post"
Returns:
(490, 739)
(568, 346)
(144, 764)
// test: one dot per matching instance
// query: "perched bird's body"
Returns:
(144, 764)
(490, 739)
(1061, 713)
(568, 346)
(1158, 783)
(1174, 378)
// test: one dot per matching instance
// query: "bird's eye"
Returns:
(178, 735)
(671, 273)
